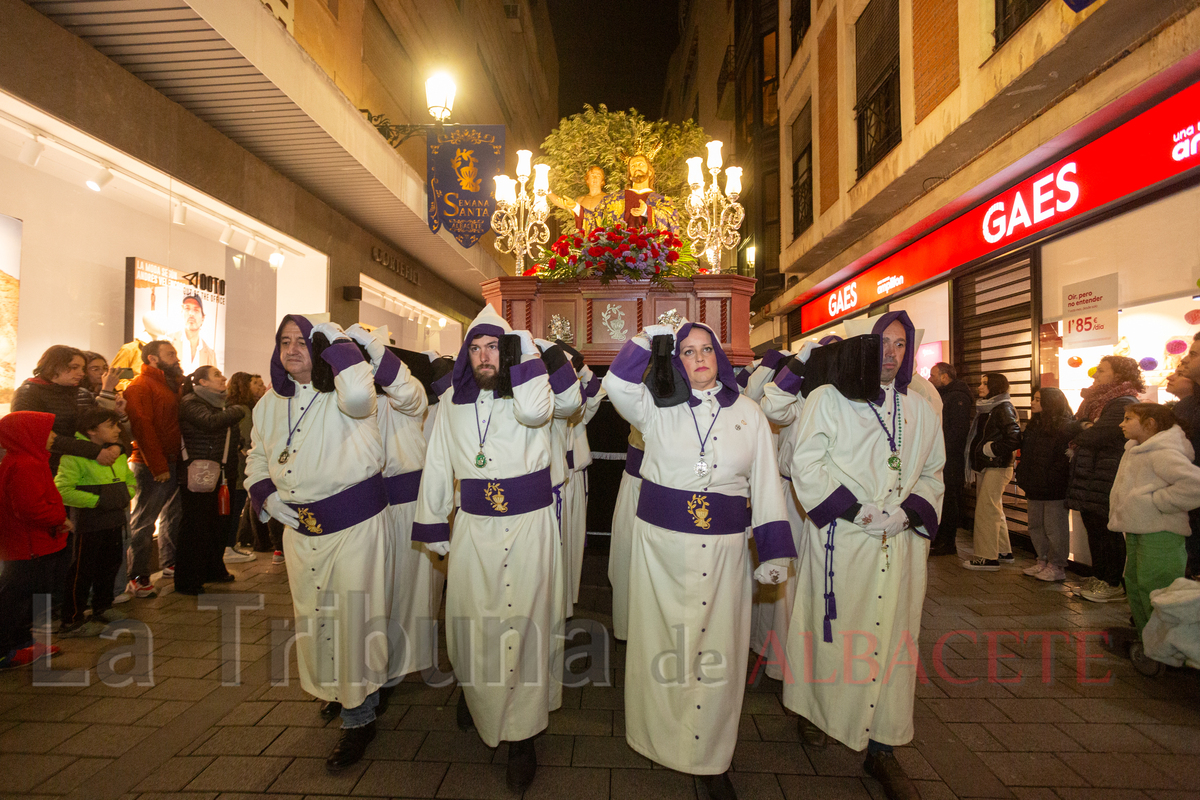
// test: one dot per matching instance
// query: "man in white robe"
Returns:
(869, 475)
(315, 465)
(709, 477)
(621, 539)
(504, 602)
(575, 498)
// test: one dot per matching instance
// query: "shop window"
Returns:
(801, 22)
(770, 82)
(877, 59)
(802, 177)
(1011, 15)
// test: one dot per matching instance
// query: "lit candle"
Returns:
(501, 180)
(714, 154)
(695, 174)
(505, 192)
(523, 157)
(541, 178)
(733, 181)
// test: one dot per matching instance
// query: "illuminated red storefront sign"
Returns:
(1158, 144)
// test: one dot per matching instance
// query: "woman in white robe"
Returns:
(621, 540)
(690, 571)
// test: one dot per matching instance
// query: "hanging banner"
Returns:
(461, 164)
(1090, 312)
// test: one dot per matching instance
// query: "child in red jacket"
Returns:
(33, 531)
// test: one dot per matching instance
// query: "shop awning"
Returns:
(235, 67)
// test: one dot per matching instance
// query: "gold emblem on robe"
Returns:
(309, 521)
(698, 508)
(495, 496)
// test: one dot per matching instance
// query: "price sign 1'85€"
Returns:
(1090, 312)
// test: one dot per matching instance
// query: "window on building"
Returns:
(693, 60)
(802, 176)
(769, 260)
(801, 21)
(770, 82)
(1011, 14)
(745, 105)
(696, 111)
(877, 58)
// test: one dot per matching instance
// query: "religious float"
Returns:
(641, 251)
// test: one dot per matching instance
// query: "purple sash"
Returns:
(507, 497)
(343, 510)
(633, 462)
(403, 488)
(692, 512)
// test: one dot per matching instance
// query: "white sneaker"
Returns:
(1104, 592)
(1036, 568)
(123, 597)
(1051, 573)
(168, 572)
(277, 558)
(234, 557)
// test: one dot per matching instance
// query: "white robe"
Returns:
(400, 421)
(504, 600)
(841, 458)
(621, 541)
(575, 494)
(339, 581)
(689, 594)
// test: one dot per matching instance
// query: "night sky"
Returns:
(613, 52)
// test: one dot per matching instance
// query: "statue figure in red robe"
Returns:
(638, 206)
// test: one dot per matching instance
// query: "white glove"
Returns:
(897, 521)
(871, 519)
(281, 511)
(331, 330)
(528, 348)
(543, 345)
(441, 548)
(773, 572)
(806, 351)
(585, 375)
(374, 347)
(659, 330)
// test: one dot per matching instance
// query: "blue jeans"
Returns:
(154, 503)
(361, 715)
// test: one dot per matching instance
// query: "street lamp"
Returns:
(439, 99)
(520, 217)
(714, 219)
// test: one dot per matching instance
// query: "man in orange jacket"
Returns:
(152, 400)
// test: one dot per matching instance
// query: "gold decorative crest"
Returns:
(495, 496)
(698, 508)
(309, 521)
(466, 169)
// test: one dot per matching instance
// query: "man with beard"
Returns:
(958, 409)
(193, 351)
(869, 474)
(152, 404)
(315, 465)
(638, 206)
(505, 600)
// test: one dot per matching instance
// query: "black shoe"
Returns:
(944, 547)
(350, 747)
(465, 721)
(811, 735)
(385, 697)
(330, 710)
(228, 577)
(719, 787)
(1007, 558)
(884, 768)
(522, 765)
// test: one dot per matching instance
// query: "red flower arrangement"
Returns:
(617, 252)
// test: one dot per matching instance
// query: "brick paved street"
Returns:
(981, 731)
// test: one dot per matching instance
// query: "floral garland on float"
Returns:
(618, 252)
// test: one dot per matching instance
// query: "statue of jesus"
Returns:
(638, 206)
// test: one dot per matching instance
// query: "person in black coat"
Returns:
(1187, 411)
(210, 433)
(54, 389)
(1042, 475)
(958, 409)
(995, 436)
(1097, 454)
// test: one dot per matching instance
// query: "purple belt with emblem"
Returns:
(685, 511)
(403, 488)
(507, 497)
(633, 461)
(347, 508)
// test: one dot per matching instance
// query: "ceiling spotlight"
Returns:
(276, 259)
(250, 246)
(441, 322)
(31, 151)
(412, 315)
(237, 261)
(179, 214)
(226, 235)
(102, 179)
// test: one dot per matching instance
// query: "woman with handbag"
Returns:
(210, 446)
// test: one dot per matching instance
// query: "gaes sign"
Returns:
(1090, 312)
